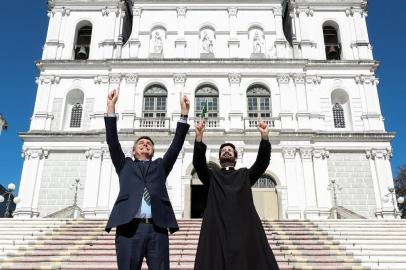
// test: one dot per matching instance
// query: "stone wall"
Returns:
(60, 172)
(353, 173)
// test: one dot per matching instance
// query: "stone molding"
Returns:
(283, 78)
(232, 11)
(321, 153)
(131, 78)
(365, 79)
(289, 153)
(306, 153)
(379, 154)
(94, 154)
(48, 79)
(234, 78)
(179, 78)
(28, 154)
(181, 11)
(99, 79)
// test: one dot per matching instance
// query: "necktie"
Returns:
(147, 197)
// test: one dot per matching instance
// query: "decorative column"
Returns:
(293, 211)
(94, 160)
(311, 211)
(42, 117)
(180, 42)
(305, 18)
(288, 102)
(53, 45)
(234, 99)
(302, 115)
(233, 42)
(321, 176)
(281, 43)
(377, 185)
(174, 185)
(127, 98)
(313, 101)
(131, 49)
(30, 183)
(103, 191)
(179, 80)
(372, 117)
(362, 42)
(96, 118)
(381, 159)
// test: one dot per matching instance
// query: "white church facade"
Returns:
(306, 67)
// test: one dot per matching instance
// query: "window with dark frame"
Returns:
(76, 116)
(259, 102)
(338, 115)
(210, 95)
(155, 102)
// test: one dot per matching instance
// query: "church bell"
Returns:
(82, 54)
(332, 53)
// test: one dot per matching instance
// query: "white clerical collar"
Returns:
(228, 168)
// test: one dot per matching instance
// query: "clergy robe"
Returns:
(232, 236)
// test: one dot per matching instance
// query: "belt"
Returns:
(144, 220)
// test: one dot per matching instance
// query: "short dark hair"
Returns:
(232, 146)
(144, 137)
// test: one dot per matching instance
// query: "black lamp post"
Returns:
(6, 196)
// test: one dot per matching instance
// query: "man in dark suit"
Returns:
(143, 213)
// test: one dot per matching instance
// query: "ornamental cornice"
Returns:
(131, 78)
(137, 11)
(289, 153)
(99, 79)
(366, 79)
(234, 78)
(115, 78)
(374, 154)
(313, 79)
(181, 11)
(306, 153)
(299, 78)
(232, 11)
(28, 154)
(321, 154)
(179, 78)
(48, 79)
(94, 154)
(283, 78)
(308, 11)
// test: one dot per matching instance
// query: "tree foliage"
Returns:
(400, 185)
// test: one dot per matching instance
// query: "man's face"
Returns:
(227, 155)
(143, 149)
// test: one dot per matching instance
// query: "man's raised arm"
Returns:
(110, 121)
(199, 155)
(182, 128)
(264, 154)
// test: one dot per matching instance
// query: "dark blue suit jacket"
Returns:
(132, 182)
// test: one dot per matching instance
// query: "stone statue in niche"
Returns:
(158, 43)
(258, 43)
(207, 43)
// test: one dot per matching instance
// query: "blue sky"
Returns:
(23, 29)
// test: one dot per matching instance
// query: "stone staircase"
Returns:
(320, 245)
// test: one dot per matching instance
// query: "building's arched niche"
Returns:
(83, 39)
(341, 109)
(266, 198)
(73, 116)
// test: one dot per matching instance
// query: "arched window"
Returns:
(338, 115)
(331, 43)
(155, 102)
(76, 115)
(265, 181)
(74, 109)
(207, 97)
(259, 105)
(341, 109)
(83, 39)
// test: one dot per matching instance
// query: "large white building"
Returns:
(305, 66)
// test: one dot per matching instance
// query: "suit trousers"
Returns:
(136, 240)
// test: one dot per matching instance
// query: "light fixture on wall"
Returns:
(394, 198)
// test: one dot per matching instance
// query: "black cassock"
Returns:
(232, 236)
